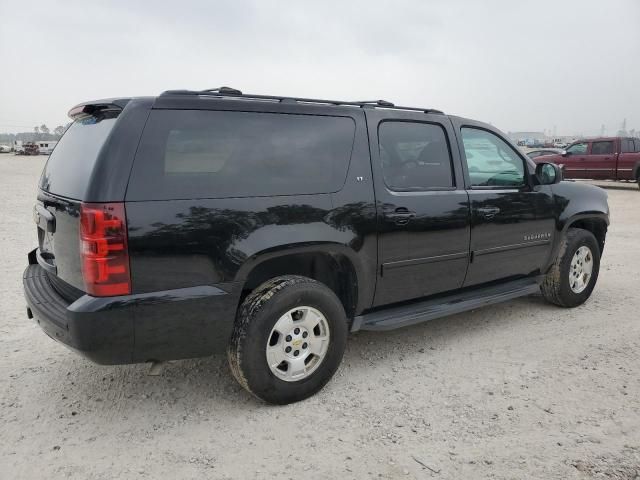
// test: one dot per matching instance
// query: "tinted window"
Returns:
(578, 148)
(490, 160)
(70, 165)
(415, 156)
(215, 154)
(637, 144)
(601, 148)
(627, 145)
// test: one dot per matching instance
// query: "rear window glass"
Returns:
(415, 156)
(70, 165)
(601, 148)
(217, 154)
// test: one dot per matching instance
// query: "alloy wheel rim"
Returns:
(297, 344)
(581, 269)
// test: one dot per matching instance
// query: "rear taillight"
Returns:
(103, 249)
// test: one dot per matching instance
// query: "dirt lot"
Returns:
(521, 390)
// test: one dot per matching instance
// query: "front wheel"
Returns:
(574, 273)
(288, 339)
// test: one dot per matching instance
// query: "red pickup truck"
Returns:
(610, 158)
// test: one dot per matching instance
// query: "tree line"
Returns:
(40, 132)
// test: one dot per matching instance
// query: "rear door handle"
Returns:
(488, 212)
(401, 216)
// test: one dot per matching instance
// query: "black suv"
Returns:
(197, 221)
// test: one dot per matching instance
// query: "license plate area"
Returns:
(45, 242)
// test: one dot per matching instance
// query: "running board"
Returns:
(405, 315)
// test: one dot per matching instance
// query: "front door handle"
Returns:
(401, 216)
(488, 212)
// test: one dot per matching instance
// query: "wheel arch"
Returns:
(597, 224)
(328, 264)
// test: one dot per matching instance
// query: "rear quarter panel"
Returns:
(192, 242)
(628, 166)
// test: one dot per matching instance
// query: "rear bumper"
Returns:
(167, 325)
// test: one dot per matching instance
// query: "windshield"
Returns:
(70, 165)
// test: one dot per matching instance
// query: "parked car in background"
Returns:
(605, 158)
(31, 148)
(5, 148)
(546, 151)
(18, 147)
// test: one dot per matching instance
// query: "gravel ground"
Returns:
(519, 390)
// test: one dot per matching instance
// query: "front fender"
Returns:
(575, 202)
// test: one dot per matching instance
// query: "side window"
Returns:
(601, 148)
(578, 148)
(627, 145)
(219, 154)
(415, 156)
(490, 160)
(637, 144)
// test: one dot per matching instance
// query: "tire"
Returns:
(559, 287)
(279, 300)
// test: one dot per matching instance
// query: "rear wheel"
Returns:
(288, 340)
(573, 275)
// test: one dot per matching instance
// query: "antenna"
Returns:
(379, 103)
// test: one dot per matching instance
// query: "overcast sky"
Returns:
(570, 64)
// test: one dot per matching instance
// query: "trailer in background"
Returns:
(46, 146)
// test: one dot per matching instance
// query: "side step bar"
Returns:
(405, 315)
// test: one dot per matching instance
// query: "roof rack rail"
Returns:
(222, 92)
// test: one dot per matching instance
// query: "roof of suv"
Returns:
(234, 94)
(228, 93)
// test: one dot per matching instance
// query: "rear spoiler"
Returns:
(90, 108)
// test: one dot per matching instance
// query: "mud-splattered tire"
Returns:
(557, 286)
(254, 331)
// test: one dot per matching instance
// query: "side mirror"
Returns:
(566, 154)
(548, 173)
